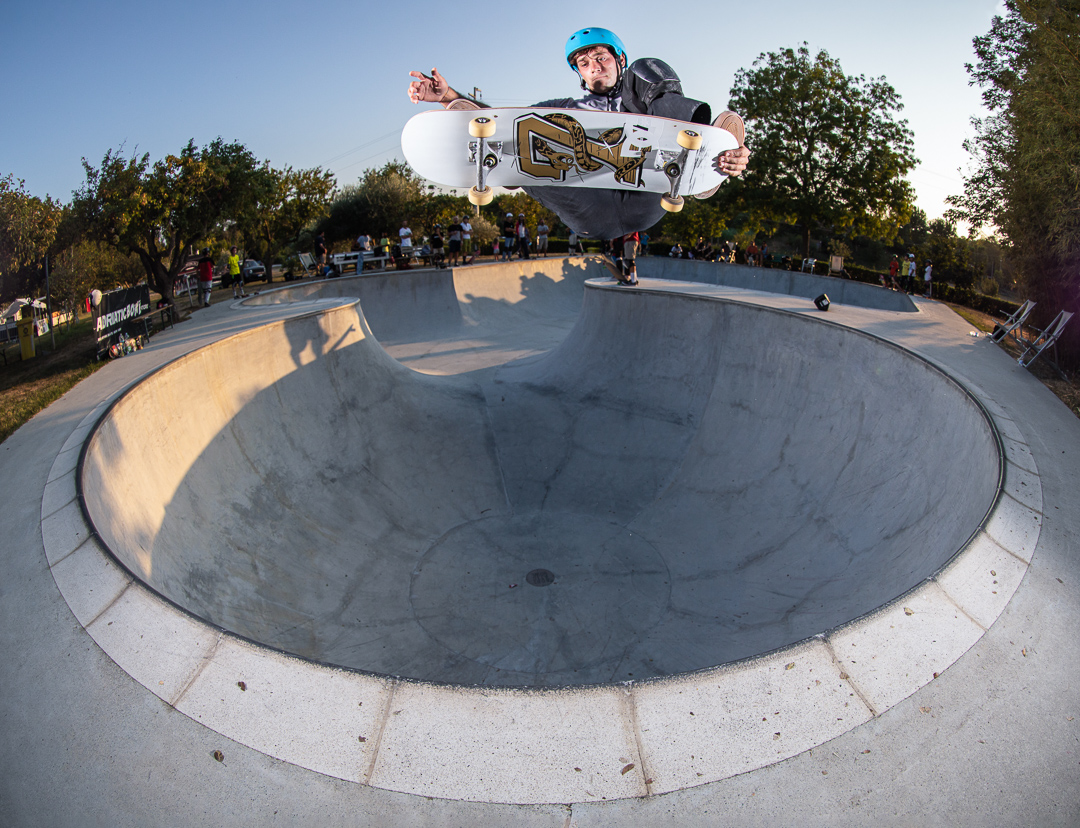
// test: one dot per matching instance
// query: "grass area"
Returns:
(1066, 390)
(26, 387)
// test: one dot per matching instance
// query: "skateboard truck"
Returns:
(674, 165)
(482, 128)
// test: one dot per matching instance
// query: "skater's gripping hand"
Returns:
(733, 161)
(431, 88)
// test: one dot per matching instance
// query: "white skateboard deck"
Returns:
(564, 147)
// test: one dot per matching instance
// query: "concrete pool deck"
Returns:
(125, 754)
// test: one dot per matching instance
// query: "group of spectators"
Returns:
(727, 252)
(234, 270)
(445, 247)
(903, 275)
(516, 238)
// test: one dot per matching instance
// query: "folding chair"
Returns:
(1047, 339)
(307, 261)
(1014, 324)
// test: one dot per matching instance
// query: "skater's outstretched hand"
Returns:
(733, 162)
(433, 88)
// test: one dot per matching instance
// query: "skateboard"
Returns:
(510, 147)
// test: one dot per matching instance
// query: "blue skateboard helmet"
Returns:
(585, 38)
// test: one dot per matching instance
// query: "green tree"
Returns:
(28, 228)
(84, 265)
(950, 254)
(1025, 183)
(828, 151)
(378, 203)
(293, 200)
(159, 212)
(515, 203)
(443, 208)
(698, 217)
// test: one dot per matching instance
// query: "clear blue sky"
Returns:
(323, 83)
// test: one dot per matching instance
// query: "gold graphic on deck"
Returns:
(553, 145)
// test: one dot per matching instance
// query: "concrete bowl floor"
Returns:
(726, 481)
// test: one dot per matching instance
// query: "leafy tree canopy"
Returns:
(1026, 176)
(293, 200)
(28, 225)
(159, 211)
(827, 148)
(377, 204)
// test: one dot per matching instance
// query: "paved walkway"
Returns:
(992, 740)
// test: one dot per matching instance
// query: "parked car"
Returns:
(253, 271)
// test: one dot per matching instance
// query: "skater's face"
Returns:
(598, 68)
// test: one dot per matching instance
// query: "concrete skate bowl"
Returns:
(682, 482)
(517, 307)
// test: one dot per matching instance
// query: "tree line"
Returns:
(1025, 185)
(830, 156)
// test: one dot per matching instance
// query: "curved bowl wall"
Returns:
(696, 481)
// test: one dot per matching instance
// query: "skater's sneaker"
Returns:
(733, 124)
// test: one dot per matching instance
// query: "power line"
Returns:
(360, 147)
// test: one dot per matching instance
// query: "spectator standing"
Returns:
(437, 255)
(522, 233)
(541, 238)
(629, 259)
(509, 239)
(466, 240)
(752, 253)
(927, 277)
(911, 273)
(320, 252)
(206, 277)
(405, 235)
(236, 276)
(574, 244)
(643, 243)
(894, 268)
(454, 233)
(362, 245)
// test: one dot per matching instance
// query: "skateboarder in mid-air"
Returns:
(646, 86)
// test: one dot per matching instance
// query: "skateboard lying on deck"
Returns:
(505, 147)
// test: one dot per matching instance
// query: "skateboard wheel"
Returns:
(688, 139)
(481, 197)
(671, 204)
(482, 127)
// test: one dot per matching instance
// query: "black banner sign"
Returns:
(118, 307)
